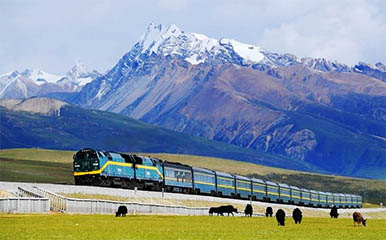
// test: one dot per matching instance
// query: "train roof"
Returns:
(203, 170)
(258, 180)
(176, 165)
(242, 178)
(283, 185)
(313, 191)
(304, 190)
(222, 174)
(271, 183)
(294, 187)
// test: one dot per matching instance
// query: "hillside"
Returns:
(43, 166)
(67, 127)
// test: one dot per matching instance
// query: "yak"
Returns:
(297, 215)
(222, 209)
(334, 212)
(248, 210)
(280, 217)
(268, 212)
(122, 211)
(227, 209)
(358, 219)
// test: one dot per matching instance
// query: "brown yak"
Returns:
(358, 219)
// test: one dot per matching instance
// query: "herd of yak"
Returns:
(280, 214)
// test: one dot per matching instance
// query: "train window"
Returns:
(169, 173)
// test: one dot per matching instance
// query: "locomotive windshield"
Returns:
(86, 160)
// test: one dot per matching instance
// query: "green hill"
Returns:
(76, 128)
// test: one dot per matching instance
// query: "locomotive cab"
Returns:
(86, 160)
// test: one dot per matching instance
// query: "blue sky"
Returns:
(53, 35)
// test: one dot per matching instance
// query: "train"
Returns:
(113, 169)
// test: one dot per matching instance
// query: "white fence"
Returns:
(96, 206)
(29, 202)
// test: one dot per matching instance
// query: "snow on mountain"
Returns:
(78, 76)
(40, 77)
(194, 47)
(35, 82)
(197, 48)
(249, 53)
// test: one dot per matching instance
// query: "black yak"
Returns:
(248, 210)
(280, 217)
(268, 212)
(297, 215)
(334, 212)
(122, 211)
(222, 209)
(358, 219)
(227, 209)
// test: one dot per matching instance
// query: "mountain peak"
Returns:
(40, 77)
(194, 47)
(78, 76)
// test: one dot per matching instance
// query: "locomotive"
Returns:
(112, 169)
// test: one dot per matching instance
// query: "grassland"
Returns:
(60, 226)
(39, 165)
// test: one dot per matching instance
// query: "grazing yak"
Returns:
(122, 211)
(268, 212)
(248, 210)
(280, 217)
(358, 219)
(223, 209)
(227, 209)
(334, 212)
(297, 215)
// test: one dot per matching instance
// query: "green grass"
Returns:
(78, 227)
(16, 170)
(38, 154)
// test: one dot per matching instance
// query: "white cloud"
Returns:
(347, 31)
(173, 5)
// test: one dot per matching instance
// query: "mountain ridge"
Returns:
(35, 82)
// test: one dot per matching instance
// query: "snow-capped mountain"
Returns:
(78, 77)
(35, 82)
(197, 48)
(40, 77)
